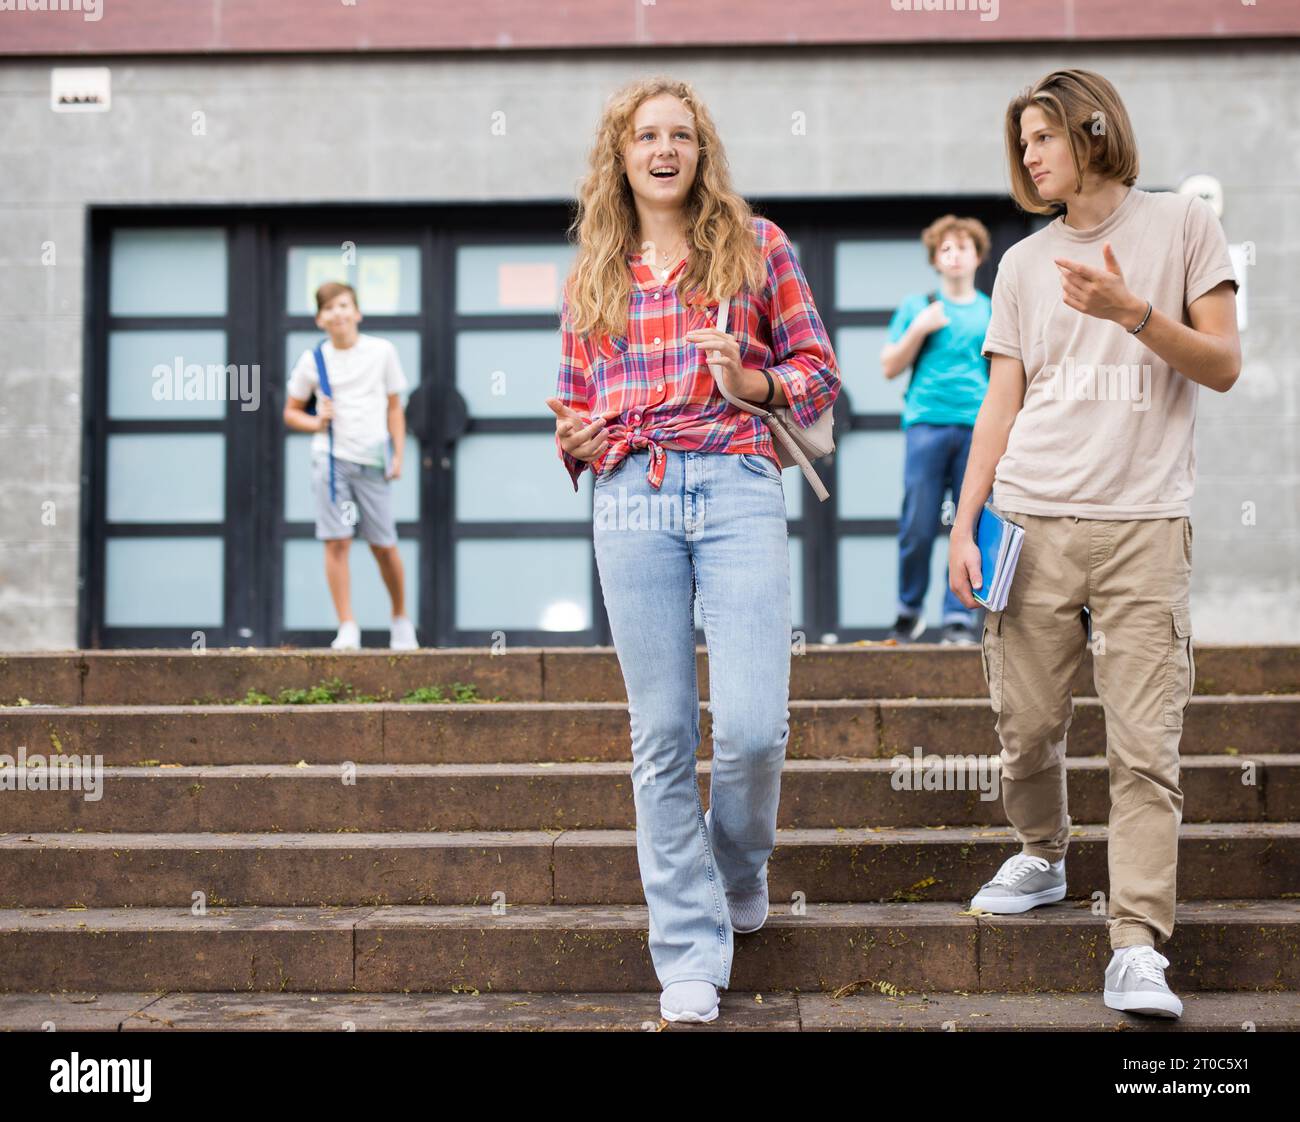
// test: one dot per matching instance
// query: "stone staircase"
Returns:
(473, 865)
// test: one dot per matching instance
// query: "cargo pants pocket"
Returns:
(991, 657)
(1180, 666)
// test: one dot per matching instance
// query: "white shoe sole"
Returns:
(1153, 1004)
(749, 930)
(1014, 905)
(690, 1017)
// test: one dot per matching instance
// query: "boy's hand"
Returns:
(580, 436)
(1100, 292)
(964, 565)
(324, 412)
(932, 318)
(394, 468)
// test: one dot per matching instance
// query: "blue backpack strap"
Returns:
(324, 379)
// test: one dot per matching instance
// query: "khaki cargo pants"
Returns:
(1134, 578)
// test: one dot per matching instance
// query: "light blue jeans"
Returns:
(717, 530)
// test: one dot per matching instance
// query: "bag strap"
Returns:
(324, 379)
(739, 403)
(774, 422)
(931, 297)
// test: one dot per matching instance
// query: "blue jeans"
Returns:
(720, 534)
(935, 460)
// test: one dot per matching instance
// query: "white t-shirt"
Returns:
(361, 378)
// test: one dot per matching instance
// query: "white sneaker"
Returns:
(692, 1000)
(348, 638)
(1135, 983)
(402, 635)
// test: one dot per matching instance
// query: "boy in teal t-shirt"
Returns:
(940, 335)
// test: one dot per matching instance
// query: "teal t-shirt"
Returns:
(951, 376)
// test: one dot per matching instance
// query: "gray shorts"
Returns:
(363, 502)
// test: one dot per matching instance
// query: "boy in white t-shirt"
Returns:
(1106, 323)
(360, 432)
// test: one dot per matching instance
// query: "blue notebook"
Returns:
(999, 544)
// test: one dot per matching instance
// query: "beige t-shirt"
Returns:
(1106, 430)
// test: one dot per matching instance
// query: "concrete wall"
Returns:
(890, 121)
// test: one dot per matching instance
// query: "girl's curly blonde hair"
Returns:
(724, 253)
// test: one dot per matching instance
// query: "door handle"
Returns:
(455, 416)
(416, 413)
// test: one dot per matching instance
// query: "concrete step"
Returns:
(820, 672)
(576, 731)
(815, 794)
(1216, 861)
(629, 1012)
(1235, 946)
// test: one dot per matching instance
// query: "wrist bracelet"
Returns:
(771, 389)
(1143, 324)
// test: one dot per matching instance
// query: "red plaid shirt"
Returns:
(660, 382)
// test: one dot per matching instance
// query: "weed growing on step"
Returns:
(334, 691)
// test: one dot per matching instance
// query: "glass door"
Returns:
(167, 436)
(517, 537)
(198, 523)
(387, 268)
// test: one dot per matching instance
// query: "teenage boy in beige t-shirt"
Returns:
(1105, 323)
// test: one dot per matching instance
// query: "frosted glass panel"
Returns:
(542, 585)
(386, 277)
(796, 581)
(307, 604)
(163, 582)
(869, 582)
(795, 485)
(507, 373)
(880, 273)
(136, 391)
(932, 606)
(406, 342)
(507, 477)
(171, 477)
(168, 272)
(300, 506)
(858, 349)
(501, 279)
(870, 474)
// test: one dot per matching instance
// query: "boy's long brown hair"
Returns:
(1086, 107)
(724, 255)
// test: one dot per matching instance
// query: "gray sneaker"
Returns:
(1023, 882)
(1135, 983)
